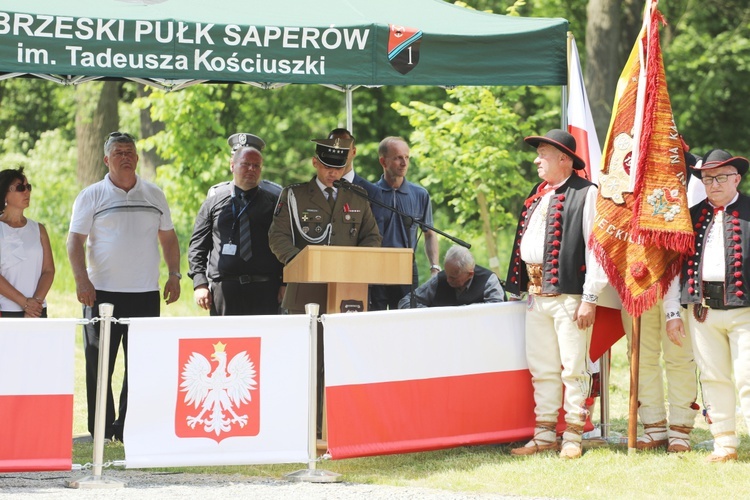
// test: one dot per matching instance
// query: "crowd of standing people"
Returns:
(248, 229)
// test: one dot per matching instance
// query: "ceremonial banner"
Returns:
(642, 224)
(36, 394)
(424, 379)
(580, 121)
(217, 391)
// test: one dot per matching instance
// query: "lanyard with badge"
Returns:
(230, 248)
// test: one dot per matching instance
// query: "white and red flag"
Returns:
(580, 121)
(217, 391)
(608, 325)
(415, 380)
(36, 394)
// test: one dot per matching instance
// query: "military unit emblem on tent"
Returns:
(403, 47)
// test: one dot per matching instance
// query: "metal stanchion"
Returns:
(96, 480)
(604, 394)
(312, 474)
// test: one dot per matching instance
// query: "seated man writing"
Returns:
(460, 283)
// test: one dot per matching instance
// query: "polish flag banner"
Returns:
(580, 121)
(608, 327)
(36, 394)
(425, 379)
(217, 391)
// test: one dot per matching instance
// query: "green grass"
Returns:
(605, 472)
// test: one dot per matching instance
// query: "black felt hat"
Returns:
(561, 140)
(720, 158)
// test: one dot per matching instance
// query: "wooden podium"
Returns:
(348, 271)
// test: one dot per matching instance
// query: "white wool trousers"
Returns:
(556, 351)
(679, 368)
(722, 345)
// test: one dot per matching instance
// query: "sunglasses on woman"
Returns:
(20, 188)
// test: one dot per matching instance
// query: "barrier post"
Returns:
(96, 480)
(312, 474)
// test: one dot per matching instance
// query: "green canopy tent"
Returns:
(343, 44)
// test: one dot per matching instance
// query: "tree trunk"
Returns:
(611, 30)
(149, 159)
(96, 116)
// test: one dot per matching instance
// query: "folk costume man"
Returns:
(662, 429)
(462, 282)
(715, 289)
(551, 260)
(233, 269)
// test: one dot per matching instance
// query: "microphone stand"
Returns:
(408, 222)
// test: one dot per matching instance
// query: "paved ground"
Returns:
(144, 485)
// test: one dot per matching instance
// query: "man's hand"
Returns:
(172, 289)
(585, 315)
(85, 291)
(676, 331)
(202, 296)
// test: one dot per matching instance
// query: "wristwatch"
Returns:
(435, 267)
(179, 276)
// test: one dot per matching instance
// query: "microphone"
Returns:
(342, 183)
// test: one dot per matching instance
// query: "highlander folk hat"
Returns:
(242, 140)
(720, 158)
(332, 153)
(561, 140)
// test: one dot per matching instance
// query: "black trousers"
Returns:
(383, 297)
(232, 298)
(321, 381)
(127, 305)
(19, 314)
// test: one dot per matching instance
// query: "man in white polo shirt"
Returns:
(120, 220)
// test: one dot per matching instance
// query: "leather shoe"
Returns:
(678, 448)
(650, 445)
(534, 449)
(571, 450)
(713, 458)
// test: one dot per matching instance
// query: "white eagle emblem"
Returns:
(219, 393)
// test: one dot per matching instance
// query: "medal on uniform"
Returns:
(318, 229)
(305, 217)
(229, 249)
(347, 217)
(305, 229)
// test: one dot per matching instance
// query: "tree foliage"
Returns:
(708, 67)
(471, 156)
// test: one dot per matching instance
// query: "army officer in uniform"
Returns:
(317, 213)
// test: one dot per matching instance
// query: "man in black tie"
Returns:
(233, 269)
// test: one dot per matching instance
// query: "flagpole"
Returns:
(564, 88)
(635, 348)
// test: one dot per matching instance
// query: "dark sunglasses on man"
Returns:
(115, 135)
